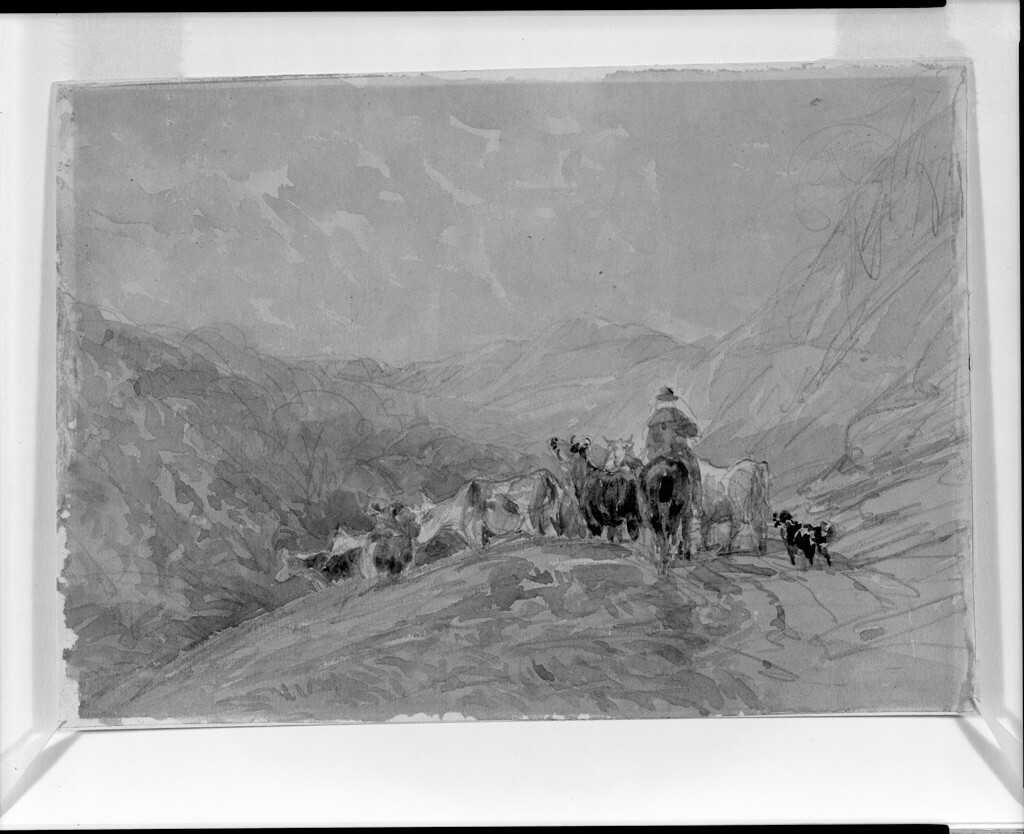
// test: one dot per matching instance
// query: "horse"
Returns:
(667, 500)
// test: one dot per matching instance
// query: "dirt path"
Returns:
(845, 637)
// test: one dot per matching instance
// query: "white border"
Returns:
(856, 769)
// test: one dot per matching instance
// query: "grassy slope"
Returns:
(568, 628)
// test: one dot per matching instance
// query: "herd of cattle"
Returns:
(623, 497)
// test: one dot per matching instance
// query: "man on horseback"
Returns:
(669, 432)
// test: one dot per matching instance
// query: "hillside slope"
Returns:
(187, 460)
(875, 324)
(854, 383)
(560, 628)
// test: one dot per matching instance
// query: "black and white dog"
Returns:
(804, 538)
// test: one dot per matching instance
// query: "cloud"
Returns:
(461, 196)
(391, 197)
(470, 254)
(371, 160)
(605, 237)
(555, 180)
(355, 224)
(268, 182)
(613, 131)
(139, 232)
(255, 189)
(651, 176)
(450, 235)
(262, 306)
(493, 137)
(563, 126)
(335, 317)
(480, 265)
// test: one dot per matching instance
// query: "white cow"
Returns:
(489, 508)
(736, 495)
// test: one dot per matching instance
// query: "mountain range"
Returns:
(861, 349)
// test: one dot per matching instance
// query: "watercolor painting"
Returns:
(609, 394)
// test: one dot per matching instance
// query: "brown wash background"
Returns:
(468, 269)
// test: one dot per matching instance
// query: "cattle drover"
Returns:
(669, 432)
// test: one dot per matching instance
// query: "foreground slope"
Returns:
(567, 628)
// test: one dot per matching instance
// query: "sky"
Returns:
(410, 218)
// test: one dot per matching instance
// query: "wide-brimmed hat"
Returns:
(666, 395)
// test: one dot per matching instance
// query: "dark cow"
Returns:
(444, 544)
(320, 568)
(607, 500)
(621, 454)
(804, 538)
(667, 500)
(387, 550)
(391, 552)
(391, 545)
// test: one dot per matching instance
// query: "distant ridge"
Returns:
(594, 374)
